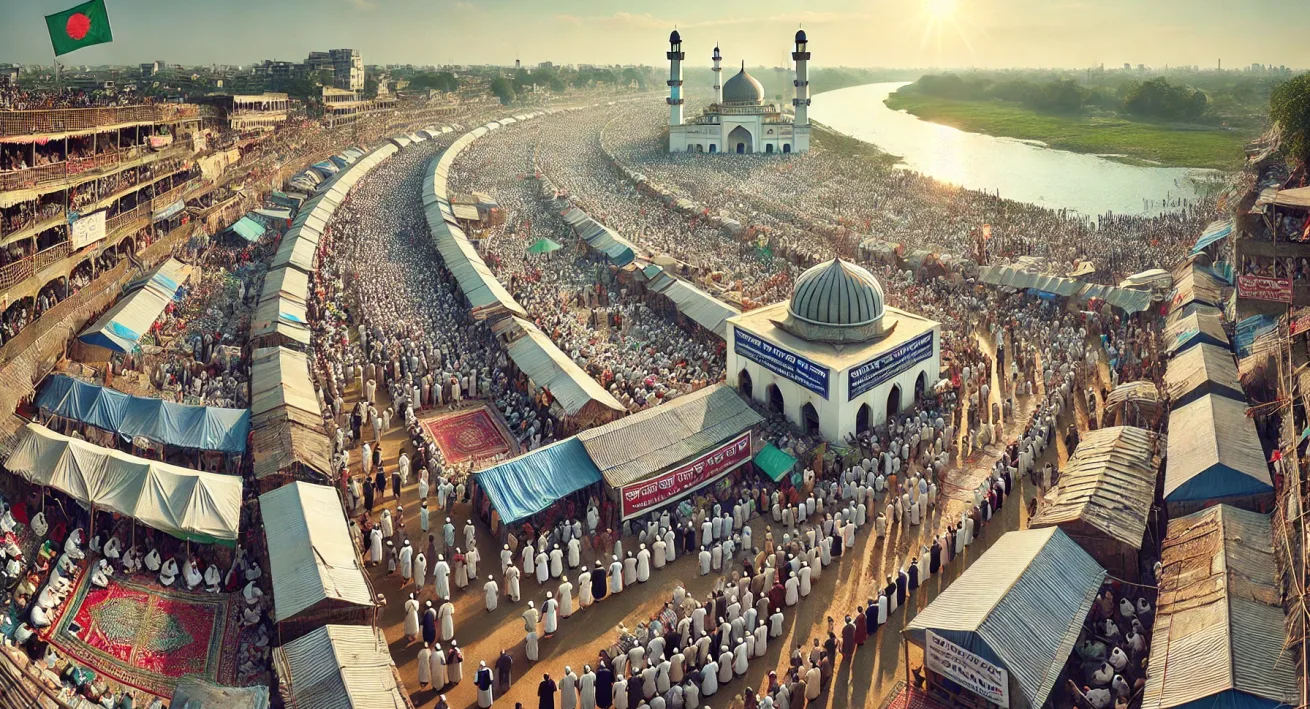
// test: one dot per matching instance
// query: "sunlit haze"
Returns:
(982, 33)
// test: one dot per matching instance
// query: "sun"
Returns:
(941, 9)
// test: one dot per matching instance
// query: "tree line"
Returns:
(1157, 98)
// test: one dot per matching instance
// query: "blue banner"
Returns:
(888, 365)
(808, 374)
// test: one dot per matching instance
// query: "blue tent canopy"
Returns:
(206, 428)
(1216, 231)
(530, 483)
(248, 229)
(1249, 330)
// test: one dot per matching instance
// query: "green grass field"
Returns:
(1131, 141)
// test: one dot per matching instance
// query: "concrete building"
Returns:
(348, 69)
(834, 359)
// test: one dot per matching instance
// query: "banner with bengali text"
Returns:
(653, 492)
(967, 669)
(88, 229)
(1265, 288)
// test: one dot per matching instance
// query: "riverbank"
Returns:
(1133, 142)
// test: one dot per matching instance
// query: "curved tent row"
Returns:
(575, 392)
(1128, 300)
(701, 307)
(188, 504)
(206, 428)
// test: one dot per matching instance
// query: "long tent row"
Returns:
(486, 295)
(576, 395)
(616, 249)
(204, 428)
(188, 504)
(289, 440)
(121, 327)
(695, 304)
(1128, 300)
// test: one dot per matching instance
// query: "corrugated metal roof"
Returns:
(281, 316)
(285, 283)
(1143, 391)
(1214, 452)
(1219, 617)
(548, 367)
(280, 442)
(280, 377)
(700, 307)
(1195, 284)
(1020, 605)
(1202, 369)
(311, 557)
(1109, 484)
(340, 667)
(1184, 331)
(635, 447)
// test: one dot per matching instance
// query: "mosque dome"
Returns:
(743, 89)
(836, 301)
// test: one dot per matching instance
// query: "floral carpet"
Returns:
(149, 637)
(469, 434)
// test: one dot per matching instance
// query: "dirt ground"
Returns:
(862, 681)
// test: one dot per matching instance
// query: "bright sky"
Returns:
(889, 33)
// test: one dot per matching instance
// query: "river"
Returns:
(1015, 169)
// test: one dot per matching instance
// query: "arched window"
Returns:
(920, 384)
(862, 418)
(894, 400)
(714, 148)
(776, 404)
(744, 383)
(786, 147)
(768, 148)
(809, 419)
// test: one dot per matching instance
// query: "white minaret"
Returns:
(801, 104)
(718, 76)
(676, 55)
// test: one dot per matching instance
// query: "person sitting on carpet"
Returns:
(40, 619)
(113, 549)
(100, 576)
(250, 615)
(191, 574)
(50, 597)
(253, 594)
(7, 522)
(153, 561)
(39, 525)
(253, 571)
(168, 574)
(72, 546)
(132, 561)
(11, 548)
(212, 578)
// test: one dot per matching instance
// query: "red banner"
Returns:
(639, 497)
(1265, 288)
(1301, 321)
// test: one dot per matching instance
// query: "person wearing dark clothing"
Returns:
(914, 574)
(830, 645)
(902, 588)
(504, 668)
(604, 687)
(395, 483)
(599, 582)
(380, 481)
(776, 596)
(430, 624)
(636, 697)
(368, 497)
(848, 638)
(871, 617)
(935, 557)
(546, 693)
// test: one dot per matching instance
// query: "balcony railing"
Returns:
(63, 120)
(11, 274)
(49, 256)
(79, 168)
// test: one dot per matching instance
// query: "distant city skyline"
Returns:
(874, 33)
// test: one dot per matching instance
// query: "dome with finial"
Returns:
(743, 89)
(800, 36)
(836, 301)
(675, 37)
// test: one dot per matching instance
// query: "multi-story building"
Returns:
(243, 113)
(9, 75)
(348, 69)
(318, 61)
(344, 107)
(80, 183)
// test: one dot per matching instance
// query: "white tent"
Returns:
(185, 503)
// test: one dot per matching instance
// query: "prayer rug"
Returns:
(913, 698)
(147, 637)
(468, 435)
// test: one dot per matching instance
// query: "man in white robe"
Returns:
(492, 591)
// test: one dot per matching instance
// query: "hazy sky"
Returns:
(900, 33)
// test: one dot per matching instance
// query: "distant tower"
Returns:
(801, 103)
(675, 55)
(718, 73)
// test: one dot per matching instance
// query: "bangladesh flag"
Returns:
(78, 27)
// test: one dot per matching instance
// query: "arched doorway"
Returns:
(740, 140)
(768, 148)
(714, 148)
(809, 419)
(786, 147)
(700, 148)
(920, 384)
(862, 418)
(774, 396)
(894, 400)
(744, 383)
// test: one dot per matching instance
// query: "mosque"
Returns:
(835, 360)
(739, 121)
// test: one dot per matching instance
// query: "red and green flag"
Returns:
(80, 26)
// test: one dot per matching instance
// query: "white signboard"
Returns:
(967, 669)
(88, 229)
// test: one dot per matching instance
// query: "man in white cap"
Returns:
(530, 618)
(441, 577)
(616, 575)
(492, 591)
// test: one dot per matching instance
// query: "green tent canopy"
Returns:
(248, 229)
(544, 246)
(773, 462)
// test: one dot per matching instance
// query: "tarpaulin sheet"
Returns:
(120, 328)
(188, 504)
(248, 229)
(530, 483)
(207, 428)
(1216, 231)
(773, 462)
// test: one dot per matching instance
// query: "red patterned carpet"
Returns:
(468, 435)
(147, 637)
(912, 698)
